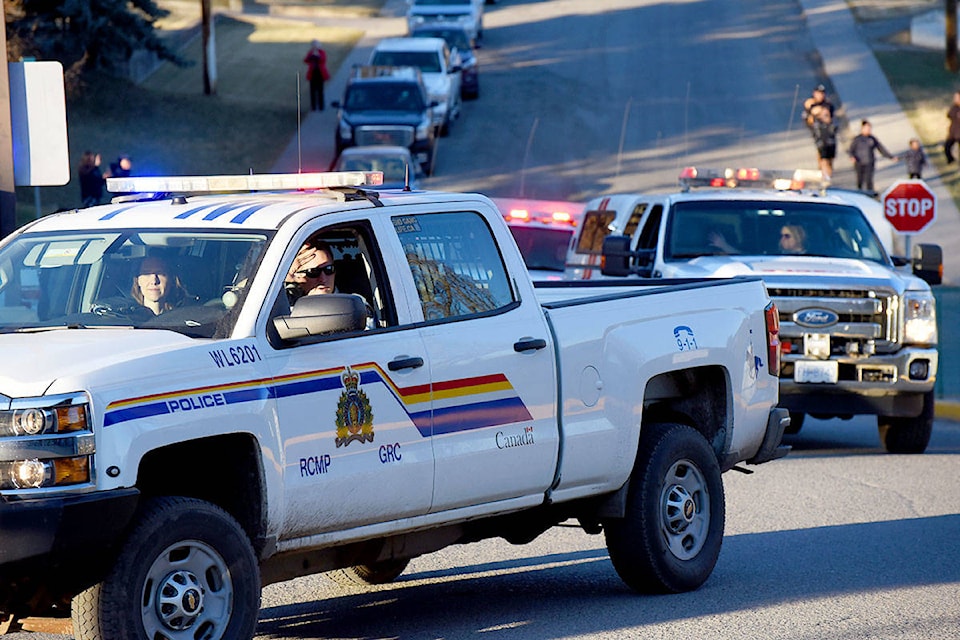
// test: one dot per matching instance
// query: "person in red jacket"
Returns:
(317, 74)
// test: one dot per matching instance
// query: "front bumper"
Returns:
(880, 384)
(63, 525)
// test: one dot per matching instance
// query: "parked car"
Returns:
(393, 161)
(467, 13)
(387, 106)
(439, 69)
(460, 43)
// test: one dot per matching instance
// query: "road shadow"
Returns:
(568, 595)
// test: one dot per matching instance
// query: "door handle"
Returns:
(529, 344)
(405, 363)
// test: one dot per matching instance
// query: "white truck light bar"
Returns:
(746, 177)
(255, 182)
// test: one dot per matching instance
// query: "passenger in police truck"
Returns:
(312, 271)
(157, 287)
(793, 239)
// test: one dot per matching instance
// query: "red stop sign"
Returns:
(909, 206)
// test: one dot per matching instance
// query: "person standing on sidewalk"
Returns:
(317, 74)
(862, 151)
(953, 131)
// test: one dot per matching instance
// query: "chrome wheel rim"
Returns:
(684, 510)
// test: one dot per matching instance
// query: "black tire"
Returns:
(908, 435)
(796, 422)
(187, 569)
(367, 574)
(669, 539)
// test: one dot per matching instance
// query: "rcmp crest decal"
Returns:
(354, 415)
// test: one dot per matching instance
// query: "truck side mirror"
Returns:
(616, 256)
(322, 315)
(927, 262)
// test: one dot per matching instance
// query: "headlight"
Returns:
(346, 131)
(919, 318)
(45, 443)
(33, 421)
(424, 129)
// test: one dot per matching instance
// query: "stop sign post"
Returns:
(910, 206)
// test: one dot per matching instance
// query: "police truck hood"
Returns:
(44, 357)
(790, 269)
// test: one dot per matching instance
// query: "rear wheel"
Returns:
(187, 570)
(366, 574)
(669, 539)
(796, 422)
(908, 435)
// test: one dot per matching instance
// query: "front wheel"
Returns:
(908, 435)
(187, 570)
(669, 538)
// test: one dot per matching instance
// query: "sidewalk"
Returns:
(313, 149)
(864, 92)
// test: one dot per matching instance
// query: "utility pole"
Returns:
(8, 194)
(209, 49)
(951, 63)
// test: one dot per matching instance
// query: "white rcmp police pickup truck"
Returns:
(159, 469)
(857, 326)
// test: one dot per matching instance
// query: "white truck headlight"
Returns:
(423, 129)
(919, 318)
(35, 421)
(46, 443)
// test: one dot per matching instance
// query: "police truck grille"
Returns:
(385, 135)
(861, 316)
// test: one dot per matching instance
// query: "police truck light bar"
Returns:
(750, 177)
(255, 182)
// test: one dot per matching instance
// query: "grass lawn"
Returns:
(925, 89)
(168, 126)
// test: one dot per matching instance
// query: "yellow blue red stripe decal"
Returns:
(445, 407)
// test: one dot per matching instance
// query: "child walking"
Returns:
(915, 160)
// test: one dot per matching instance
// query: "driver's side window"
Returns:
(341, 260)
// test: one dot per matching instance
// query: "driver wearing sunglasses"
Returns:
(312, 271)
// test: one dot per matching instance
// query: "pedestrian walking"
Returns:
(915, 159)
(815, 103)
(862, 151)
(953, 131)
(91, 179)
(317, 74)
(825, 137)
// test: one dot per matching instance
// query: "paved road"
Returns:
(838, 540)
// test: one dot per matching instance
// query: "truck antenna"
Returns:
(299, 118)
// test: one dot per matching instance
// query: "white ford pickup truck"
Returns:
(180, 426)
(858, 326)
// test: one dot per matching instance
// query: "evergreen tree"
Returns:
(84, 34)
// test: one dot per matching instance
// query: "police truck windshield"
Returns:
(756, 228)
(184, 281)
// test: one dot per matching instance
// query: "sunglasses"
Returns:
(314, 272)
(786, 235)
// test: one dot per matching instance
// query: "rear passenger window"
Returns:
(455, 263)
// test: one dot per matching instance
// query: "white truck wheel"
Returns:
(669, 539)
(908, 435)
(186, 570)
